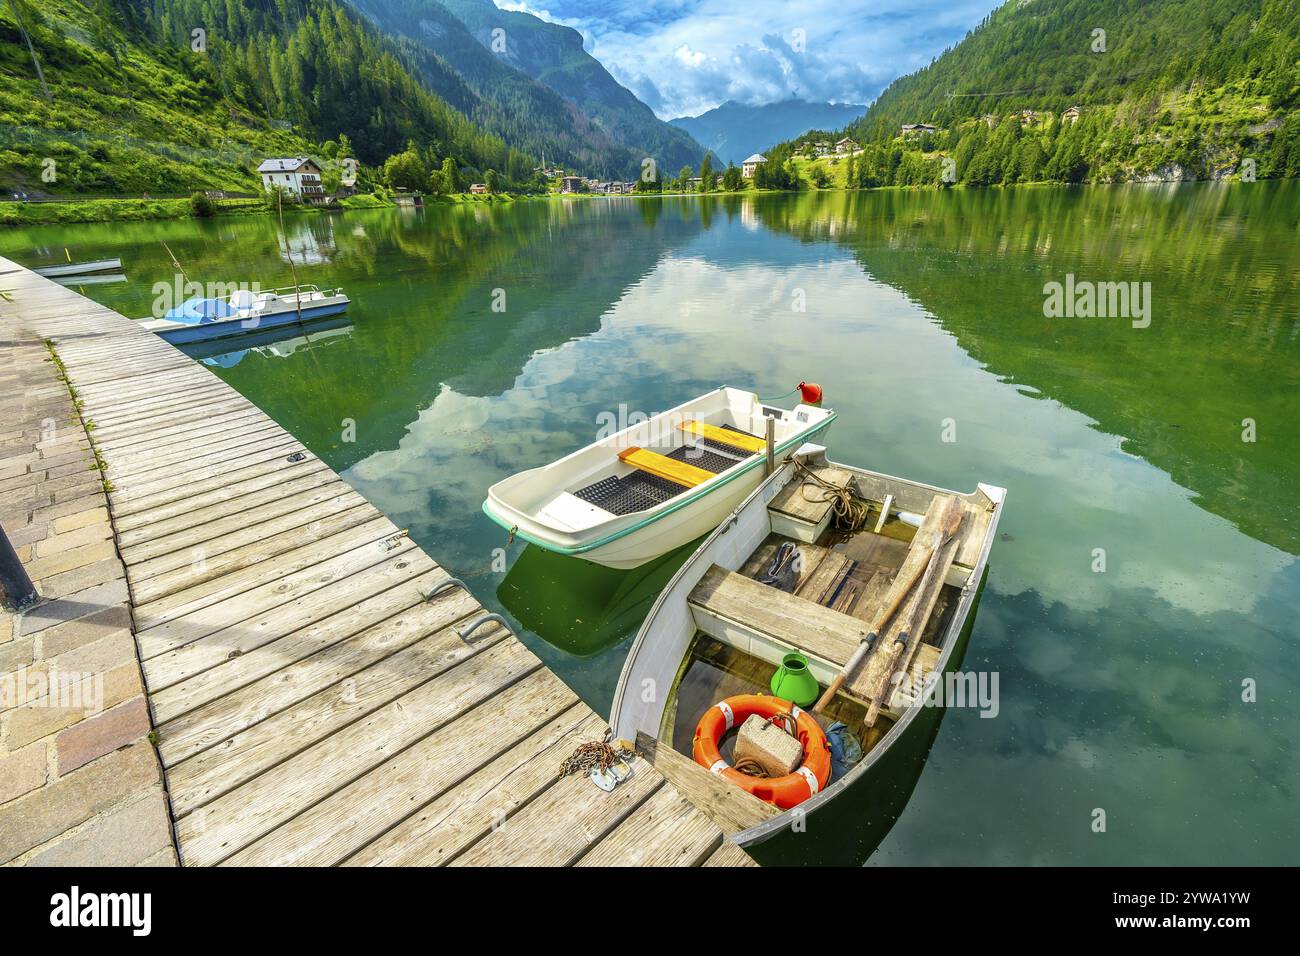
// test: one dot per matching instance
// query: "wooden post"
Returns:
(18, 589)
(771, 446)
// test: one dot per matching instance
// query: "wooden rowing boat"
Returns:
(717, 631)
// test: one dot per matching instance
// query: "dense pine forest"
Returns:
(1165, 89)
(172, 95)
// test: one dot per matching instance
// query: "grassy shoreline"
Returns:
(132, 210)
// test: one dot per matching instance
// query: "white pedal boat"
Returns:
(244, 311)
(656, 485)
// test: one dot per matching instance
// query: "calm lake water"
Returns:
(1121, 689)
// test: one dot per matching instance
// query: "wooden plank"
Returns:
(464, 815)
(234, 820)
(741, 440)
(661, 466)
(249, 526)
(813, 506)
(351, 817)
(785, 618)
(220, 664)
(180, 618)
(729, 855)
(730, 807)
(260, 548)
(531, 838)
(664, 831)
(251, 743)
(145, 539)
(866, 678)
(195, 730)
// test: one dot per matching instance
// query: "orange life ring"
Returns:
(785, 792)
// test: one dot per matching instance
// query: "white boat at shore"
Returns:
(632, 496)
(244, 311)
(80, 268)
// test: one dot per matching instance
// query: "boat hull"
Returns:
(80, 268)
(861, 816)
(181, 334)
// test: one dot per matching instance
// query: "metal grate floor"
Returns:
(635, 492)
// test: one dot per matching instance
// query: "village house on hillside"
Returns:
(750, 166)
(1034, 117)
(297, 175)
(1071, 115)
(908, 130)
(844, 146)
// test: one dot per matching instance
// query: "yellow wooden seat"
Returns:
(664, 467)
(723, 436)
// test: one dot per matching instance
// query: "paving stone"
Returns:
(71, 607)
(61, 638)
(79, 579)
(40, 816)
(41, 568)
(90, 739)
(70, 559)
(127, 836)
(16, 653)
(164, 857)
(37, 719)
(82, 519)
(22, 772)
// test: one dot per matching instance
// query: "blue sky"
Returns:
(683, 57)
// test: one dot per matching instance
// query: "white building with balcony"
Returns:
(298, 175)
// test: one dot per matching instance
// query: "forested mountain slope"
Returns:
(553, 55)
(137, 101)
(1166, 89)
(525, 112)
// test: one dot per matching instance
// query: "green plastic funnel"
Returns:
(794, 681)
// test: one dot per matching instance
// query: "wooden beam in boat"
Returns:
(661, 466)
(723, 436)
(730, 807)
(863, 682)
(761, 620)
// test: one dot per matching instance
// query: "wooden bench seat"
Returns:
(725, 436)
(767, 623)
(653, 463)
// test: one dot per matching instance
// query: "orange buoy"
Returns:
(811, 392)
(784, 792)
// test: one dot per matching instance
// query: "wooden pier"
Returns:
(318, 693)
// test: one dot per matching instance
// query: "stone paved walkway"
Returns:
(80, 783)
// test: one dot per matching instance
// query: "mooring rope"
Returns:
(850, 513)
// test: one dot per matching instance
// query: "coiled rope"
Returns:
(850, 513)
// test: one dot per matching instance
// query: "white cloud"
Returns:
(683, 58)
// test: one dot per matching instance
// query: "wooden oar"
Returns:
(877, 625)
(948, 526)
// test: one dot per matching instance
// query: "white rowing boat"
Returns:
(632, 496)
(80, 268)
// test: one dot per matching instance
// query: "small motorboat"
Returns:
(79, 268)
(244, 311)
(635, 495)
(831, 584)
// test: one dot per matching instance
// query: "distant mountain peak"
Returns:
(735, 130)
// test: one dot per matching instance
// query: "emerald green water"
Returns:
(1120, 690)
